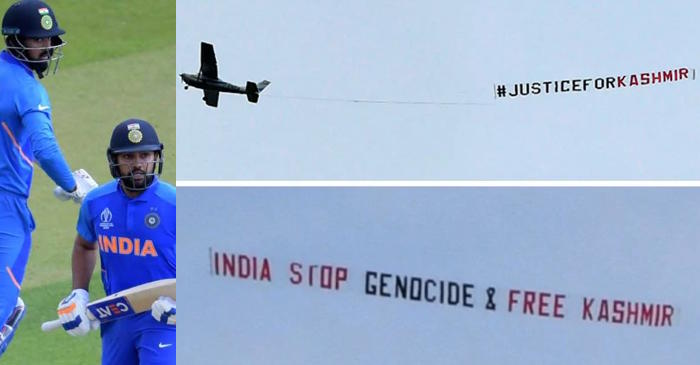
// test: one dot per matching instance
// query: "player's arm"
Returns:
(83, 262)
(46, 150)
(72, 310)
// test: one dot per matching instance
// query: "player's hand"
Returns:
(83, 184)
(72, 311)
(164, 310)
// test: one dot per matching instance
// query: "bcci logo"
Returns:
(152, 220)
(134, 135)
(46, 22)
(106, 219)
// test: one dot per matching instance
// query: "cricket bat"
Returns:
(124, 303)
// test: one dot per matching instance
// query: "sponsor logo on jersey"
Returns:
(126, 246)
(106, 219)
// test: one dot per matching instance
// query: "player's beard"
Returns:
(137, 180)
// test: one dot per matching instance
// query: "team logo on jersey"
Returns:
(152, 220)
(106, 219)
(46, 22)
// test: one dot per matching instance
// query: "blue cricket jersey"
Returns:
(135, 236)
(26, 133)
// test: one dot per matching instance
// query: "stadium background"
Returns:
(119, 63)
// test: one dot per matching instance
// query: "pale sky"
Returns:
(444, 52)
(632, 244)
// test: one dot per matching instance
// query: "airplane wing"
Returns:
(208, 61)
(211, 97)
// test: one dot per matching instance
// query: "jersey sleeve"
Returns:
(35, 110)
(85, 227)
(46, 149)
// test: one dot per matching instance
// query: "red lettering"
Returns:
(621, 81)
(340, 275)
(603, 310)
(668, 312)
(668, 76)
(216, 263)
(656, 77)
(295, 268)
(229, 265)
(326, 276)
(683, 73)
(529, 301)
(558, 305)
(633, 80)
(511, 299)
(243, 266)
(587, 308)
(543, 304)
(618, 311)
(647, 313)
(645, 78)
(265, 272)
(311, 274)
(658, 315)
(632, 312)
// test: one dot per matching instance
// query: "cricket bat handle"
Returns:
(50, 325)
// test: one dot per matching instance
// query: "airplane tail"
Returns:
(253, 90)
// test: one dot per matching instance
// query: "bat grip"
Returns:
(50, 325)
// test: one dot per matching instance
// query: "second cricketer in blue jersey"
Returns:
(131, 223)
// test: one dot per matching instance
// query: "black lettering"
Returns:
(370, 289)
(546, 86)
(401, 287)
(428, 297)
(382, 284)
(563, 82)
(417, 285)
(452, 299)
(576, 85)
(466, 295)
(599, 83)
(611, 83)
(515, 91)
(535, 88)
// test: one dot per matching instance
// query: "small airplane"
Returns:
(207, 79)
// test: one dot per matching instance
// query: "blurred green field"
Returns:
(119, 63)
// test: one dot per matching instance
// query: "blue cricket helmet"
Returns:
(32, 19)
(134, 135)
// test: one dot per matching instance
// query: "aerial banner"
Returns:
(364, 275)
(575, 85)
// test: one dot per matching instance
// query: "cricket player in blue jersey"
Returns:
(130, 221)
(32, 42)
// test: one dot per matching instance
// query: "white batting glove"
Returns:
(83, 182)
(72, 313)
(164, 310)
